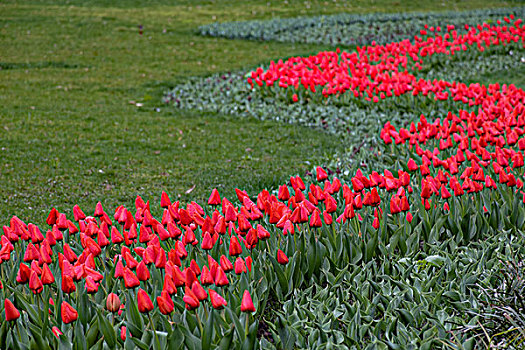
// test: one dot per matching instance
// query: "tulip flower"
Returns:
(11, 312)
(144, 301)
(68, 286)
(113, 302)
(247, 303)
(142, 272)
(207, 242)
(191, 300)
(321, 174)
(235, 247)
(164, 200)
(214, 199)
(226, 264)
(23, 274)
(69, 314)
(165, 303)
(35, 284)
(130, 280)
(220, 278)
(116, 237)
(169, 285)
(315, 220)
(249, 263)
(239, 266)
(281, 257)
(217, 301)
(199, 292)
(78, 214)
(91, 285)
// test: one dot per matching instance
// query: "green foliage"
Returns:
(352, 29)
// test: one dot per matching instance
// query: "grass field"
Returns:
(72, 77)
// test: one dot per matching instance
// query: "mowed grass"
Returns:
(73, 72)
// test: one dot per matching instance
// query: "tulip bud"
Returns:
(56, 331)
(113, 302)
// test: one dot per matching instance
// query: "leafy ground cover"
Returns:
(351, 29)
(203, 275)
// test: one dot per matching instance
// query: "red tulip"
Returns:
(249, 263)
(113, 302)
(99, 211)
(116, 237)
(199, 292)
(284, 193)
(239, 266)
(207, 242)
(144, 302)
(195, 267)
(91, 285)
(119, 269)
(315, 220)
(220, 278)
(130, 280)
(52, 217)
(281, 257)
(164, 200)
(68, 286)
(142, 272)
(206, 277)
(217, 301)
(23, 274)
(69, 314)
(191, 300)
(78, 214)
(35, 284)
(165, 303)
(169, 286)
(247, 303)
(31, 253)
(235, 247)
(123, 333)
(214, 199)
(226, 264)
(321, 174)
(11, 312)
(92, 246)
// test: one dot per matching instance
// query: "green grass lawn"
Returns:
(72, 73)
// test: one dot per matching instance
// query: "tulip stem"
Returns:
(247, 325)
(199, 321)
(154, 331)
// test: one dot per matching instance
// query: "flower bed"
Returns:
(390, 257)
